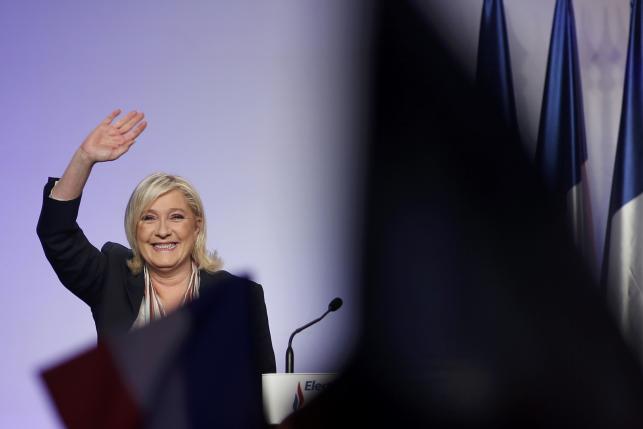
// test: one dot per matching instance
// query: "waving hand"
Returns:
(108, 141)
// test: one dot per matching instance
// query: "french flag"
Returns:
(623, 257)
(191, 369)
(493, 71)
(561, 152)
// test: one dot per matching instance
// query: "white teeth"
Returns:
(165, 246)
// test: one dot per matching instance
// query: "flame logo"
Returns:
(299, 399)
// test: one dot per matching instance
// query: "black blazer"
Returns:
(105, 283)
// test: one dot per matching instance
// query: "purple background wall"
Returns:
(250, 100)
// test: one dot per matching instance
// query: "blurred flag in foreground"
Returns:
(191, 369)
(561, 153)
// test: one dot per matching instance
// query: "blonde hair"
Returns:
(145, 193)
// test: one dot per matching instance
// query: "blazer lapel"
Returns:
(135, 291)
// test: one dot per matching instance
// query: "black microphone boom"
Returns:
(334, 305)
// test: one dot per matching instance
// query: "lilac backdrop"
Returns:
(250, 100)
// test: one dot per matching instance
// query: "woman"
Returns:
(168, 264)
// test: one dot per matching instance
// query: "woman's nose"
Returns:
(163, 230)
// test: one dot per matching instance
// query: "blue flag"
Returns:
(493, 73)
(561, 152)
(623, 256)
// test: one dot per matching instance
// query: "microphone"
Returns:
(290, 356)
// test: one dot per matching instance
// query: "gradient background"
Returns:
(254, 102)
(244, 98)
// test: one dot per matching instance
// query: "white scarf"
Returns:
(151, 306)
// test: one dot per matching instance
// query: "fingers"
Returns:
(124, 120)
(108, 120)
(139, 129)
(127, 126)
(134, 133)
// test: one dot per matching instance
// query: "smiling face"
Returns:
(166, 233)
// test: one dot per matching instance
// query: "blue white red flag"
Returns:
(623, 257)
(561, 152)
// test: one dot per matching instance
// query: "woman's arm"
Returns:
(107, 142)
(78, 264)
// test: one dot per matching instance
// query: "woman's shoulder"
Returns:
(226, 277)
(116, 250)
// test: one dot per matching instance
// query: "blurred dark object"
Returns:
(477, 310)
(195, 368)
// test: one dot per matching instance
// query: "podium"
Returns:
(285, 393)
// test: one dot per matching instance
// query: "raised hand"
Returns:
(108, 141)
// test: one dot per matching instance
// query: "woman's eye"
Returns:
(148, 218)
(177, 217)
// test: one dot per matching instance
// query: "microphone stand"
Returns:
(290, 355)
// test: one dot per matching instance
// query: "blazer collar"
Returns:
(210, 280)
(136, 285)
